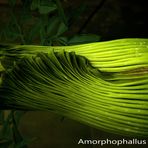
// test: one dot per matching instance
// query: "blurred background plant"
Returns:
(43, 22)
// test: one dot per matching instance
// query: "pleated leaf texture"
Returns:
(106, 87)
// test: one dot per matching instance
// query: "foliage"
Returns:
(41, 22)
(89, 83)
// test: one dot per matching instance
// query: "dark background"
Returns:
(114, 18)
(111, 19)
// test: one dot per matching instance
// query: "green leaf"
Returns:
(17, 137)
(35, 4)
(55, 27)
(6, 131)
(18, 116)
(34, 31)
(61, 11)
(80, 39)
(47, 9)
(42, 35)
(61, 29)
(62, 40)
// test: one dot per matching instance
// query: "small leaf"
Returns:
(80, 39)
(42, 35)
(35, 4)
(61, 29)
(34, 31)
(61, 11)
(47, 9)
(53, 26)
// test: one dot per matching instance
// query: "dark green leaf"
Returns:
(53, 26)
(80, 39)
(18, 116)
(56, 27)
(6, 131)
(34, 31)
(42, 35)
(17, 137)
(61, 29)
(62, 40)
(61, 12)
(47, 9)
(35, 4)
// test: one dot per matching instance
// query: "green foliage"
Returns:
(44, 6)
(85, 38)
(70, 82)
(9, 133)
(41, 22)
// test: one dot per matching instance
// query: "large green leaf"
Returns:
(67, 83)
